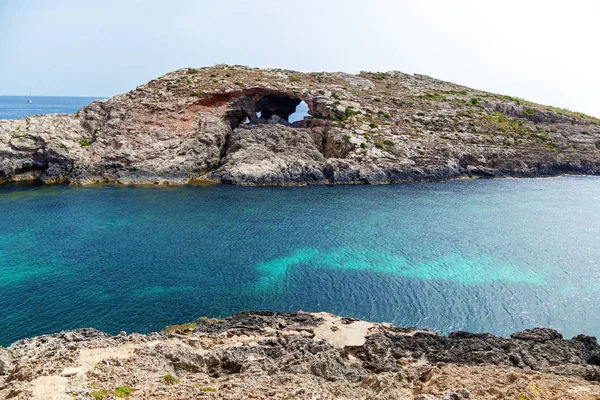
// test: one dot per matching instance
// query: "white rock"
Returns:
(71, 371)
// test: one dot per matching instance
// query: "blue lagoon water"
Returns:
(485, 255)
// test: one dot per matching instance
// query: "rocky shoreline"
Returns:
(230, 124)
(266, 355)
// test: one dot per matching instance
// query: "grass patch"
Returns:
(529, 112)
(540, 137)
(455, 92)
(293, 78)
(388, 142)
(512, 98)
(505, 124)
(335, 96)
(181, 329)
(193, 71)
(170, 379)
(123, 391)
(363, 145)
(195, 94)
(239, 83)
(86, 142)
(434, 97)
(373, 125)
(99, 394)
(474, 101)
(209, 389)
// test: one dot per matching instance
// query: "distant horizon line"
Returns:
(27, 96)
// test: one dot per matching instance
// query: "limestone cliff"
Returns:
(230, 124)
(263, 355)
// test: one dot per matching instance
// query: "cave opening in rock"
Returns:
(300, 113)
(272, 108)
(280, 105)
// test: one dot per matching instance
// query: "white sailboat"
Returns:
(30, 101)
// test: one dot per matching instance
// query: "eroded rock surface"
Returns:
(303, 356)
(230, 124)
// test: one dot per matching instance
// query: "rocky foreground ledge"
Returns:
(231, 124)
(265, 355)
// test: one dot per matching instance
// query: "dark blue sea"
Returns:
(481, 255)
(15, 107)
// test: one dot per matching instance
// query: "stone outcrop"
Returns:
(230, 124)
(303, 356)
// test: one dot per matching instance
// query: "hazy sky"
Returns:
(545, 51)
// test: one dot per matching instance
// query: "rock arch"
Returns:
(262, 107)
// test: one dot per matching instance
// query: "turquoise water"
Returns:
(485, 255)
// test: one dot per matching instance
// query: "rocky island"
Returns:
(231, 124)
(266, 355)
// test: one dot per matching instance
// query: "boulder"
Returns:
(537, 334)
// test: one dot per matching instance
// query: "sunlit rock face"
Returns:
(239, 125)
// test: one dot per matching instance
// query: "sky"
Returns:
(543, 51)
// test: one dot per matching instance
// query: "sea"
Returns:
(15, 107)
(493, 255)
